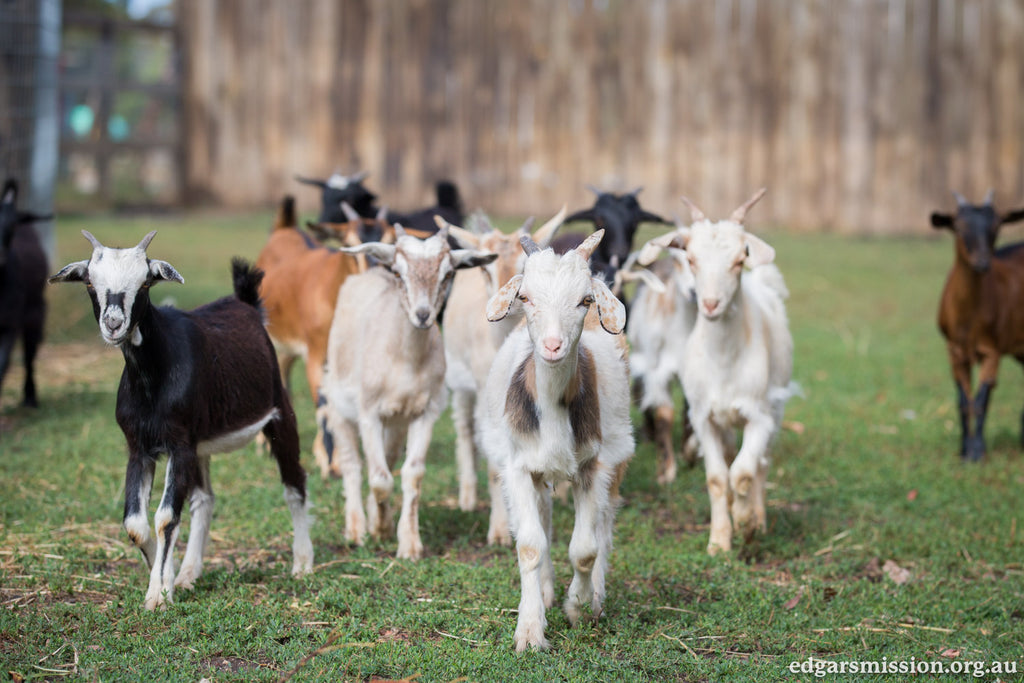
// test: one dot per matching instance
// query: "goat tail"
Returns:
(286, 213)
(246, 278)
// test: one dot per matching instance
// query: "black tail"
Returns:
(246, 278)
(448, 195)
(286, 213)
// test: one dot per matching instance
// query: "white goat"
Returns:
(660, 322)
(470, 342)
(385, 376)
(738, 364)
(556, 407)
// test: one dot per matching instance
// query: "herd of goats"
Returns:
(536, 352)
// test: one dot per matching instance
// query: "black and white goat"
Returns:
(194, 383)
(22, 278)
(338, 189)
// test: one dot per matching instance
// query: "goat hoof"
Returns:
(974, 450)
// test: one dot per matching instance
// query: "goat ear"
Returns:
(759, 252)
(650, 252)
(162, 270)
(322, 184)
(648, 217)
(465, 238)
(584, 215)
(643, 275)
(469, 258)
(1013, 216)
(610, 310)
(500, 304)
(73, 272)
(942, 220)
(545, 233)
(385, 253)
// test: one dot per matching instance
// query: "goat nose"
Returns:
(422, 314)
(710, 305)
(552, 345)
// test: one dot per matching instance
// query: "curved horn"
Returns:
(546, 232)
(960, 199)
(695, 213)
(590, 244)
(144, 244)
(527, 226)
(350, 213)
(359, 177)
(400, 231)
(989, 197)
(593, 189)
(739, 214)
(636, 190)
(92, 240)
(529, 246)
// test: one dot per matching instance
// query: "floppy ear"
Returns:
(384, 253)
(162, 270)
(322, 184)
(650, 252)
(500, 304)
(470, 258)
(759, 252)
(465, 238)
(1013, 216)
(610, 310)
(73, 272)
(942, 220)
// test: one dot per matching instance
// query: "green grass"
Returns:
(872, 478)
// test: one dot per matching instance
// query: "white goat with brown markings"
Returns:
(384, 378)
(556, 407)
(738, 363)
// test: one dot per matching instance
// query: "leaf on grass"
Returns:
(793, 601)
(950, 653)
(896, 573)
(912, 495)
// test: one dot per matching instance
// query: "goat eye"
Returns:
(587, 301)
(525, 299)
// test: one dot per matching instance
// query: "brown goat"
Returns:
(300, 288)
(981, 313)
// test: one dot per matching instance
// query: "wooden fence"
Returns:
(859, 115)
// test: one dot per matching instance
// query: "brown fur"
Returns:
(521, 403)
(583, 403)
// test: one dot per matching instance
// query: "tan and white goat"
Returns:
(384, 380)
(470, 341)
(738, 363)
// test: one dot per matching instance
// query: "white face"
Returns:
(425, 269)
(116, 279)
(557, 304)
(716, 253)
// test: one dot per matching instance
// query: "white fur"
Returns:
(384, 381)
(738, 365)
(529, 463)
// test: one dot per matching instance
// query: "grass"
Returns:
(880, 542)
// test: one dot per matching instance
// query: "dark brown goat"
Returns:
(22, 277)
(981, 313)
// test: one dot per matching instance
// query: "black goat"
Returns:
(195, 383)
(619, 216)
(338, 189)
(22, 277)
